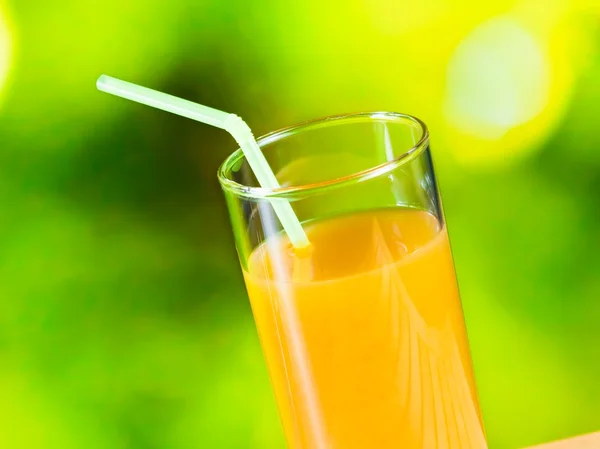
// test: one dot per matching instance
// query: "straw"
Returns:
(229, 122)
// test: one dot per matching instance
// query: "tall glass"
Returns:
(363, 332)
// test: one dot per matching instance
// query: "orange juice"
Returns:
(363, 335)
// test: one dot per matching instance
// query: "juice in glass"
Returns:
(364, 336)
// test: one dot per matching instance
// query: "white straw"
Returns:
(230, 122)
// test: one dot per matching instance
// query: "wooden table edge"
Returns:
(590, 441)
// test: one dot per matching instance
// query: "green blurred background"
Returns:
(123, 319)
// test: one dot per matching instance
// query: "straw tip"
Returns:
(101, 81)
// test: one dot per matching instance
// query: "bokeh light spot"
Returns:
(5, 49)
(498, 78)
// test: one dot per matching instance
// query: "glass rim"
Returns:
(251, 192)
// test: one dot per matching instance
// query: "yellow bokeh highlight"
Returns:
(498, 78)
(5, 49)
(509, 82)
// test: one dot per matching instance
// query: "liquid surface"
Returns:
(363, 335)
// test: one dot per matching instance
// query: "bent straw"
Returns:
(229, 122)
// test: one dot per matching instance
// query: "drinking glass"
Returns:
(363, 331)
